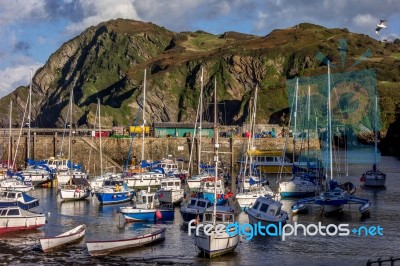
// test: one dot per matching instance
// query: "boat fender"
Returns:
(114, 196)
(158, 215)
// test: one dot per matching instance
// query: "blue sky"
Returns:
(31, 30)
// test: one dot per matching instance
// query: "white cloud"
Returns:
(96, 11)
(21, 10)
(13, 77)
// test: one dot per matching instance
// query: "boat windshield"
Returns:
(264, 207)
(256, 204)
(11, 195)
(13, 212)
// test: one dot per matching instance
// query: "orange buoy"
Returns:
(158, 215)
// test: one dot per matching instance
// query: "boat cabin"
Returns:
(199, 203)
(171, 184)
(268, 206)
(12, 211)
(168, 166)
(220, 217)
(113, 183)
(146, 200)
(57, 163)
(209, 183)
(11, 195)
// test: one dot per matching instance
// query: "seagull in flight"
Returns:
(380, 26)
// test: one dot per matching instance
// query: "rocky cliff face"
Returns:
(107, 62)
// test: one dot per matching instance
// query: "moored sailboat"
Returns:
(213, 241)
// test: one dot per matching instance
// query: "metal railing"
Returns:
(381, 261)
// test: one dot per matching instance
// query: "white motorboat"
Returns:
(267, 211)
(16, 219)
(170, 191)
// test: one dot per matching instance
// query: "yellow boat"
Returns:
(270, 161)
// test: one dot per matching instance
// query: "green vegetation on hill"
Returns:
(108, 61)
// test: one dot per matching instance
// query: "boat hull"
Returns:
(22, 222)
(216, 245)
(374, 182)
(254, 220)
(98, 248)
(74, 194)
(170, 196)
(114, 197)
(291, 189)
(137, 215)
(74, 235)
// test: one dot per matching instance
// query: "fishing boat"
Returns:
(194, 209)
(105, 247)
(267, 210)
(71, 236)
(171, 191)
(17, 198)
(208, 186)
(194, 182)
(16, 219)
(213, 236)
(114, 191)
(75, 189)
(148, 209)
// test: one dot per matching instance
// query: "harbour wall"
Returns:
(116, 151)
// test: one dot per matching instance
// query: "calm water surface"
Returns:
(104, 222)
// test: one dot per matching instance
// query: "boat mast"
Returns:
(252, 131)
(143, 110)
(101, 149)
(70, 127)
(9, 139)
(308, 124)
(216, 146)
(29, 118)
(330, 122)
(200, 123)
(295, 119)
(376, 130)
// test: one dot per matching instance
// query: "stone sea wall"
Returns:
(115, 151)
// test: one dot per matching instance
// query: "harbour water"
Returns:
(104, 223)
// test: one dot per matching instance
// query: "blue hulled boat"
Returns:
(194, 209)
(114, 191)
(147, 209)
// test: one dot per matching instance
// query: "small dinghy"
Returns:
(105, 247)
(71, 236)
